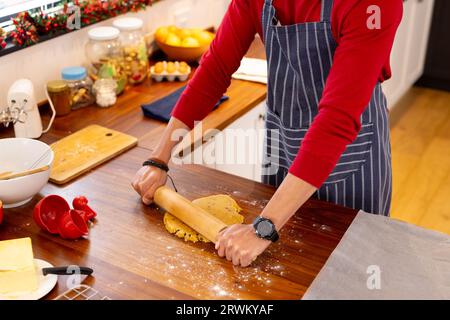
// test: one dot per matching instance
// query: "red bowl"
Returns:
(48, 211)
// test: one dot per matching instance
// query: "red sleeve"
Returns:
(213, 76)
(357, 65)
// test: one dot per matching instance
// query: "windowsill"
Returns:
(11, 47)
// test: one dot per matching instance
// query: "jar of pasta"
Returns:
(80, 86)
(104, 51)
(134, 48)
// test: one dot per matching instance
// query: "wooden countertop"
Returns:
(126, 115)
(132, 255)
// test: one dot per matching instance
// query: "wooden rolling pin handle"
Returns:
(192, 215)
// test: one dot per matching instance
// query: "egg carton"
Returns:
(158, 77)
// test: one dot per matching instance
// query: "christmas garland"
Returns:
(30, 28)
(2, 38)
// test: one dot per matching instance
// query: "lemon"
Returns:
(190, 42)
(173, 40)
(161, 34)
(173, 29)
(184, 33)
(204, 37)
(195, 31)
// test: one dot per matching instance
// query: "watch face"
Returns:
(265, 228)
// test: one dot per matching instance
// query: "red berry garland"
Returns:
(2, 38)
(29, 27)
(96, 10)
(46, 24)
(25, 33)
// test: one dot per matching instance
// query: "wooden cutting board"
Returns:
(86, 149)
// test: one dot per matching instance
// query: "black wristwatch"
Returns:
(265, 229)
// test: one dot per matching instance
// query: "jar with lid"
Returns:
(105, 54)
(134, 48)
(80, 86)
(105, 92)
(59, 95)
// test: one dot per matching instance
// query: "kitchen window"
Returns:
(10, 8)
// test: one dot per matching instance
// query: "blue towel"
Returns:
(162, 109)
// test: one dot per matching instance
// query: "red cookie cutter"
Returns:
(54, 215)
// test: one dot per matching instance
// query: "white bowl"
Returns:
(19, 154)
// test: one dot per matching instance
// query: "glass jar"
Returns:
(59, 95)
(105, 54)
(80, 86)
(134, 48)
(105, 92)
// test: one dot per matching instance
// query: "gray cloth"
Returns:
(414, 263)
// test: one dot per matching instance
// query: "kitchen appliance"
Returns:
(22, 111)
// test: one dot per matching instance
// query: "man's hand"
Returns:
(239, 244)
(147, 180)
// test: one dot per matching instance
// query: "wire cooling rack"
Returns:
(81, 292)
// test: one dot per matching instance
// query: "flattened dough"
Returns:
(221, 206)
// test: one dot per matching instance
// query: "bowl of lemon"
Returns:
(184, 44)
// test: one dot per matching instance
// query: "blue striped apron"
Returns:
(299, 59)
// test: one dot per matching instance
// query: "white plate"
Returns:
(45, 284)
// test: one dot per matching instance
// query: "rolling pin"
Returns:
(191, 214)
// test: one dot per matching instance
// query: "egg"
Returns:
(183, 69)
(171, 67)
(159, 67)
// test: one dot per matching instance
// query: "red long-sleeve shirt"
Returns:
(360, 60)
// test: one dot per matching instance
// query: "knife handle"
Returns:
(67, 271)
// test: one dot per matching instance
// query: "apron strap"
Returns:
(327, 7)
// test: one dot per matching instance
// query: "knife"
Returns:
(67, 271)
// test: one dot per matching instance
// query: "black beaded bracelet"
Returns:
(156, 164)
(161, 165)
